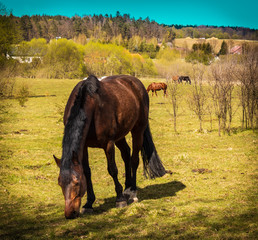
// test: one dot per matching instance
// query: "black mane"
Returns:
(76, 121)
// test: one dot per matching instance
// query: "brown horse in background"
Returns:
(100, 114)
(175, 78)
(180, 79)
(157, 87)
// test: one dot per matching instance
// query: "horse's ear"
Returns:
(58, 161)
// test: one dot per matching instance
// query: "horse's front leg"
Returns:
(90, 193)
(112, 169)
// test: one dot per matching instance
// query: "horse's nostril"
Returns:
(73, 215)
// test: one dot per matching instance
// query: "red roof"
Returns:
(236, 50)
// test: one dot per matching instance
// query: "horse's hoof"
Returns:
(127, 193)
(86, 210)
(121, 204)
(133, 200)
(131, 196)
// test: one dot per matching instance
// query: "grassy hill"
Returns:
(215, 42)
(211, 193)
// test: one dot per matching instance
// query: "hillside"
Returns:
(187, 43)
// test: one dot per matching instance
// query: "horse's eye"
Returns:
(75, 181)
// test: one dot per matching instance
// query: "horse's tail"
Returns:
(151, 161)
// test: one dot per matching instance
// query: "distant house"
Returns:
(23, 59)
(236, 50)
(168, 44)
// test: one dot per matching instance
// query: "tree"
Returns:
(247, 74)
(63, 59)
(9, 33)
(198, 96)
(224, 48)
(221, 89)
(173, 95)
(38, 47)
(201, 52)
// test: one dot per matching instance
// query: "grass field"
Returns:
(211, 193)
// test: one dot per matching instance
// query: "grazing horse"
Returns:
(184, 78)
(175, 78)
(100, 114)
(156, 87)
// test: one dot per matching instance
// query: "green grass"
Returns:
(220, 203)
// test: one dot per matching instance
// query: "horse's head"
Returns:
(73, 183)
(150, 87)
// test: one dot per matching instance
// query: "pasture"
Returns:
(211, 193)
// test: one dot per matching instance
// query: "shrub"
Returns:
(199, 56)
(23, 94)
(201, 52)
(63, 59)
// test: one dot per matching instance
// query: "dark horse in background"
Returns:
(100, 114)
(157, 87)
(184, 78)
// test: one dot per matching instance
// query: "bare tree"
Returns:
(221, 91)
(209, 110)
(247, 74)
(173, 95)
(198, 96)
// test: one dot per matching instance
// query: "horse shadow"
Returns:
(150, 192)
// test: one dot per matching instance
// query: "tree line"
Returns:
(106, 27)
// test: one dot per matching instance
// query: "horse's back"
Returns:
(129, 82)
(122, 106)
(125, 92)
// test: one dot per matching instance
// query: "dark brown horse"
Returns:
(184, 78)
(100, 114)
(157, 87)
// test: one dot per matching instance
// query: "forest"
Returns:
(107, 27)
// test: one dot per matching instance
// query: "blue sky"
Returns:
(198, 12)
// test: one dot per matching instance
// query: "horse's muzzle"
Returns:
(72, 215)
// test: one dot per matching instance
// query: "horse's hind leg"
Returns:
(90, 193)
(112, 169)
(125, 153)
(137, 136)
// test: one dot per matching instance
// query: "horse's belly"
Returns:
(110, 127)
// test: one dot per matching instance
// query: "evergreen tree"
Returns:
(224, 48)
(9, 33)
